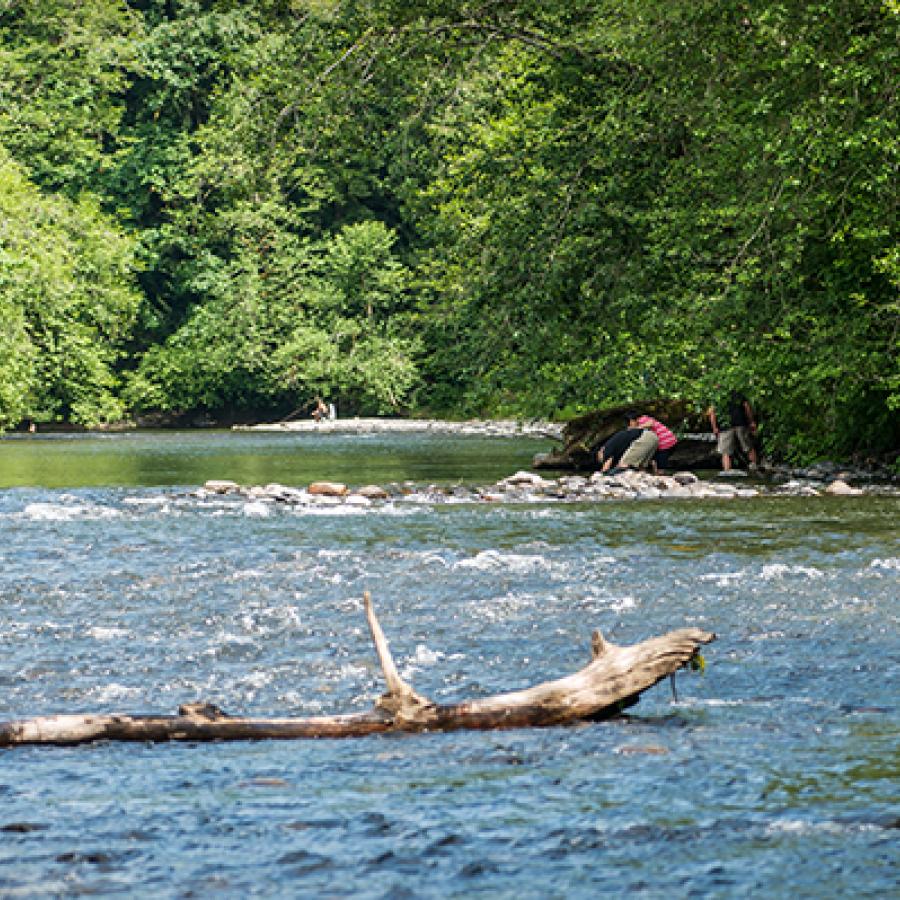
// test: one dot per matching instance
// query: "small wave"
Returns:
(57, 512)
(722, 579)
(489, 560)
(622, 603)
(99, 633)
(146, 501)
(256, 680)
(802, 826)
(423, 656)
(892, 563)
(502, 608)
(330, 509)
(776, 571)
(114, 692)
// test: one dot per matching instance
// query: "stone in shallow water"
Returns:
(524, 479)
(221, 487)
(840, 488)
(372, 492)
(327, 489)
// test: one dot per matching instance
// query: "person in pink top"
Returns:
(667, 441)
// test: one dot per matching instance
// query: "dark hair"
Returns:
(629, 416)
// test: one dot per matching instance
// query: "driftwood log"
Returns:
(613, 680)
(582, 436)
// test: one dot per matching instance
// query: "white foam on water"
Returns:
(801, 826)
(337, 509)
(257, 509)
(351, 671)
(425, 656)
(246, 574)
(58, 512)
(114, 692)
(280, 616)
(622, 603)
(100, 633)
(776, 571)
(502, 608)
(723, 579)
(325, 553)
(422, 658)
(434, 559)
(891, 563)
(491, 560)
(146, 501)
(257, 679)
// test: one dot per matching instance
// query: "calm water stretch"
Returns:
(775, 773)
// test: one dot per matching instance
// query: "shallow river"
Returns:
(775, 773)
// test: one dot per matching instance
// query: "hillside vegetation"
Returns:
(462, 208)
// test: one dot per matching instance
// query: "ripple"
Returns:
(773, 773)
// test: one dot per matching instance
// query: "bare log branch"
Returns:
(613, 679)
(400, 700)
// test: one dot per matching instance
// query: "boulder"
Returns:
(525, 479)
(840, 488)
(372, 492)
(327, 489)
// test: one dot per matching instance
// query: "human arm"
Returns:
(748, 409)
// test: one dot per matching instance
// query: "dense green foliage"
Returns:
(456, 207)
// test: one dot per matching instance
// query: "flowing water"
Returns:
(774, 773)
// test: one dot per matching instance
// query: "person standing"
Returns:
(734, 424)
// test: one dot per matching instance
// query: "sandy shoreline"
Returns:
(486, 427)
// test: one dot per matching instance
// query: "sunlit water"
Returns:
(773, 774)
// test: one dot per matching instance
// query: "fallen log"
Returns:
(583, 436)
(612, 680)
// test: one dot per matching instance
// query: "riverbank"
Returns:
(372, 425)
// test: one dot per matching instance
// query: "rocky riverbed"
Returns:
(526, 486)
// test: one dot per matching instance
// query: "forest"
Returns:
(224, 208)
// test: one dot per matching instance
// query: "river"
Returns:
(774, 773)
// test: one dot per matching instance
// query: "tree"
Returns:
(67, 303)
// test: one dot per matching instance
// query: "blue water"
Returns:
(775, 773)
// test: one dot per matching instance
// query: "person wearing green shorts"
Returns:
(641, 451)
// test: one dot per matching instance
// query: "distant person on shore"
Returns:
(734, 424)
(320, 410)
(666, 438)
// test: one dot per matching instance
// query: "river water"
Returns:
(774, 773)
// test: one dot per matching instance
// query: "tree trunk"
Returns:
(611, 681)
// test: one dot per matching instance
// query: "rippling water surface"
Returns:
(774, 773)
